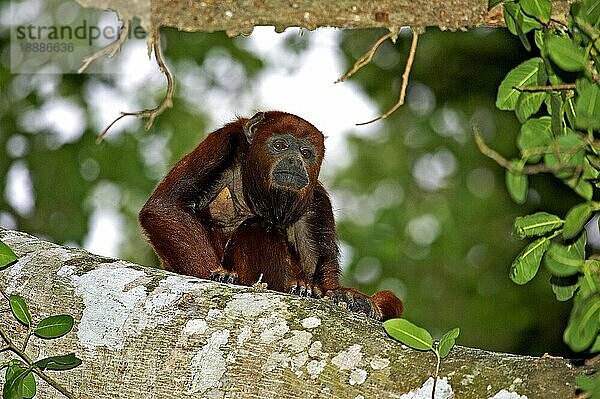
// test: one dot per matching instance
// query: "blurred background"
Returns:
(419, 210)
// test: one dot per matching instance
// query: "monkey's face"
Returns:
(292, 160)
(282, 166)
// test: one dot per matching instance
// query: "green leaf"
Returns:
(566, 260)
(568, 154)
(584, 382)
(54, 326)
(517, 184)
(587, 108)
(582, 84)
(528, 104)
(581, 187)
(527, 263)
(493, 3)
(7, 256)
(536, 224)
(589, 10)
(66, 362)
(25, 376)
(583, 323)
(596, 346)
(447, 342)
(14, 384)
(589, 281)
(564, 287)
(576, 218)
(534, 134)
(409, 334)
(566, 54)
(556, 110)
(540, 9)
(20, 309)
(539, 39)
(570, 111)
(518, 23)
(512, 18)
(589, 170)
(29, 386)
(525, 74)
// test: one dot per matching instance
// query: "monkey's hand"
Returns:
(304, 289)
(355, 301)
(381, 306)
(221, 275)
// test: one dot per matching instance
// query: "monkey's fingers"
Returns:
(354, 301)
(304, 289)
(224, 276)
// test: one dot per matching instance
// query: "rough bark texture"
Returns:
(147, 333)
(240, 17)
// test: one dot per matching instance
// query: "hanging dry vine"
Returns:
(153, 46)
(368, 56)
(109, 50)
(167, 102)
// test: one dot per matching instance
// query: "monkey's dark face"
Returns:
(281, 168)
(292, 158)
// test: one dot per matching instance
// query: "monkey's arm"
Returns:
(382, 305)
(172, 216)
(320, 230)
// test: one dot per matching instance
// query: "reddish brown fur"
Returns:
(218, 209)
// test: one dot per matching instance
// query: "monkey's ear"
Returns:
(250, 126)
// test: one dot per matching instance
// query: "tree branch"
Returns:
(144, 332)
(570, 86)
(527, 169)
(235, 17)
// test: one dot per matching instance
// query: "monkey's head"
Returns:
(282, 166)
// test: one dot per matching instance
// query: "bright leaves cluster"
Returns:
(556, 97)
(19, 378)
(573, 276)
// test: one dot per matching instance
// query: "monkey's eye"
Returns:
(306, 153)
(280, 145)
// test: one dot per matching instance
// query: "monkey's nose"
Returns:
(293, 161)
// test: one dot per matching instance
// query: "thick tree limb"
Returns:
(147, 333)
(240, 17)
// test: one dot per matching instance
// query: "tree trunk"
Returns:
(147, 333)
(240, 17)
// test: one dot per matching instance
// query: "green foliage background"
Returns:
(454, 275)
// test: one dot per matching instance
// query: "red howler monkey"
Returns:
(247, 202)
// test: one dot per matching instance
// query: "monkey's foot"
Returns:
(304, 289)
(224, 276)
(354, 301)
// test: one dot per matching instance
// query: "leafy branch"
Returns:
(19, 378)
(556, 97)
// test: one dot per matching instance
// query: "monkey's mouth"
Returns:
(290, 179)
